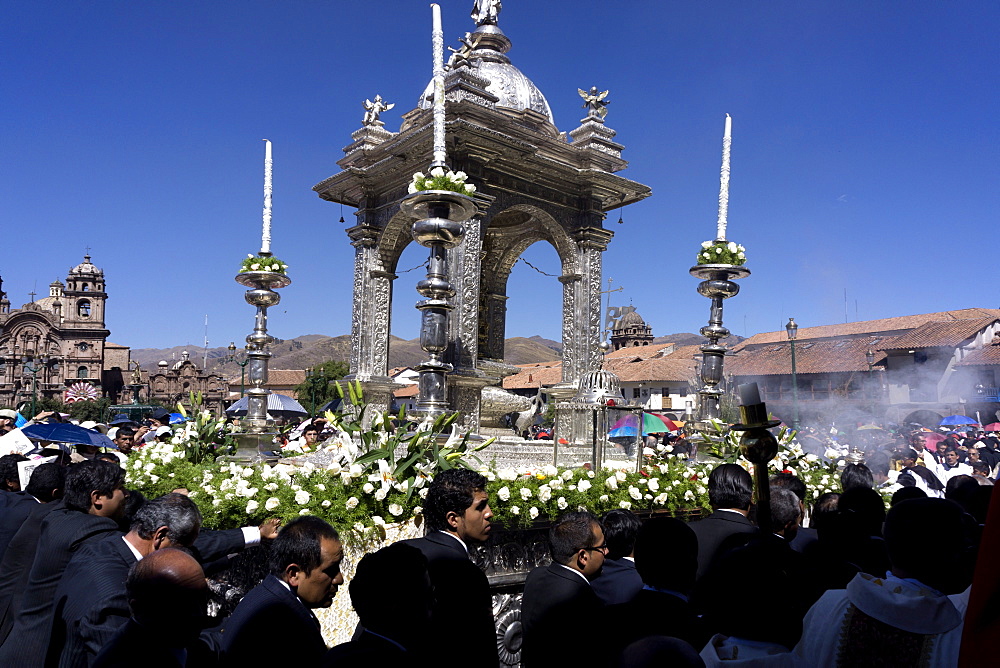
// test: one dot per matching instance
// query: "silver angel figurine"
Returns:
(485, 12)
(594, 102)
(373, 109)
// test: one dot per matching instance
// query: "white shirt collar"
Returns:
(138, 555)
(448, 533)
(573, 570)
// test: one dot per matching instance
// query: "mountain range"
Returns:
(306, 351)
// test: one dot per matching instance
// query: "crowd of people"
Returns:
(92, 575)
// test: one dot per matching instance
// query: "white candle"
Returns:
(265, 239)
(727, 141)
(437, 44)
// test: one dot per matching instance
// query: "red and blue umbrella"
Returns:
(651, 424)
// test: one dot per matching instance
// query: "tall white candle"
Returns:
(265, 239)
(437, 44)
(727, 141)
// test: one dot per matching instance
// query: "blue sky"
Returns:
(864, 152)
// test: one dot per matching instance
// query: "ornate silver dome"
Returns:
(514, 90)
(86, 267)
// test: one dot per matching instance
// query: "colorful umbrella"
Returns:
(651, 424)
(672, 425)
(994, 426)
(952, 420)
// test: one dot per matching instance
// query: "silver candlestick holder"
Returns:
(440, 216)
(717, 284)
(255, 442)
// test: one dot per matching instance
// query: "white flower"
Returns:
(503, 494)
(423, 493)
(460, 175)
(352, 503)
(660, 500)
(326, 503)
(706, 244)
(603, 498)
(741, 256)
(533, 512)
(395, 509)
(621, 475)
(689, 495)
(567, 475)
(556, 483)
(378, 521)
(368, 488)
(437, 172)
(356, 470)
(648, 497)
(654, 484)
(358, 526)
(255, 266)
(740, 247)
(648, 452)
(550, 471)
(611, 482)
(561, 503)
(731, 246)
(515, 510)
(718, 251)
(625, 504)
(634, 493)
(252, 507)
(544, 493)
(507, 475)
(583, 485)
(302, 497)
(271, 503)
(418, 510)
(590, 474)
(304, 511)
(321, 487)
(525, 493)
(271, 486)
(380, 494)
(470, 188)
(701, 489)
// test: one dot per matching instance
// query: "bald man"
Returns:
(168, 597)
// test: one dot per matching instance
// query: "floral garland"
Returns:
(439, 179)
(722, 252)
(259, 263)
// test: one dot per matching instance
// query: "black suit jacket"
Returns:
(557, 610)
(462, 600)
(653, 613)
(368, 650)
(63, 532)
(17, 562)
(14, 510)
(133, 645)
(271, 627)
(90, 602)
(717, 534)
(618, 582)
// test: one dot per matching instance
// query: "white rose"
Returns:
(356, 470)
(321, 487)
(583, 485)
(368, 488)
(437, 172)
(689, 495)
(634, 493)
(470, 188)
(271, 503)
(590, 474)
(507, 475)
(561, 503)
(603, 498)
(611, 482)
(654, 484)
(544, 493)
(255, 266)
(533, 512)
(706, 244)
(304, 511)
(395, 509)
(525, 493)
(154, 478)
(718, 251)
(252, 507)
(271, 486)
(621, 475)
(567, 475)
(423, 492)
(660, 500)
(302, 497)
(627, 505)
(503, 494)
(380, 494)
(358, 526)
(352, 503)
(378, 521)
(514, 510)
(326, 503)
(731, 246)
(550, 471)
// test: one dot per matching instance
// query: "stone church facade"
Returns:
(63, 338)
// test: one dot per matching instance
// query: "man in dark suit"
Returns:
(274, 625)
(10, 481)
(91, 602)
(457, 512)
(559, 603)
(619, 581)
(730, 489)
(666, 557)
(93, 501)
(391, 592)
(45, 485)
(168, 597)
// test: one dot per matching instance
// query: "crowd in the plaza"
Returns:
(94, 575)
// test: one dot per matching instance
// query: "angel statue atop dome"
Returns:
(485, 12)
(594, 102)
(373, 109)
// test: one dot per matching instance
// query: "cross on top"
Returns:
(32, 295)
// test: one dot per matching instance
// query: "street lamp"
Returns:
(29, 366)
(793, 331)
(241, 359)
(870, 357)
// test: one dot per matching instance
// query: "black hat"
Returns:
(160, 415)
(121, 418)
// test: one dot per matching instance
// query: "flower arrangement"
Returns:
(260, 263)
(439, 179)
(722, 252)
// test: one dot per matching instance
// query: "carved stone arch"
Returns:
(394, 240)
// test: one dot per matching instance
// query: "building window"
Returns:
(82, 372)
(83, 308)
(635, 392)
(85, 287)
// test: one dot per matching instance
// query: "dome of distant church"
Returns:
(514, 90)
(630, 319)
(86, 267)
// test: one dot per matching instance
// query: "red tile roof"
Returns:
(884, 326)
(845, 355)
(542, 374)
(940, 334)
(409, 391)
(640, 351)
(653, 370)
(986, 356)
